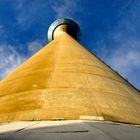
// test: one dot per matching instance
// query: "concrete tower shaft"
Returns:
(65, 81)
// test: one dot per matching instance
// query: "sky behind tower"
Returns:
(110, 29)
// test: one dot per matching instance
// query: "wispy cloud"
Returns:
(123, 53)
(64, 8)
(125, 60)
(31, 12)
(9, 59)
(28, 13)
(33, 47)
(119, 47)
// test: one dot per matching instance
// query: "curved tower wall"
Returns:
(65, 81)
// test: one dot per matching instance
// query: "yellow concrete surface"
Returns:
(65, 81)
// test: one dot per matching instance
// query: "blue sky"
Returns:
(110, 29)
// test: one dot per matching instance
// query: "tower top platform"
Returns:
(64, 25)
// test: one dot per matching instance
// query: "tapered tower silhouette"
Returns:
(65, 81)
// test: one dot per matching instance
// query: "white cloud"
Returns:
(33, 47)
(125, 61)
(9, 59)
(19, 4)
(29, 12)
(64, 8)
(123, 40)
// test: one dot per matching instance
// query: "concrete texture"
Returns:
(68, 130)
(65, 81)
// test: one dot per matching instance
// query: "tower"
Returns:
(64, 81)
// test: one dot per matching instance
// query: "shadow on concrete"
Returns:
(68, 130)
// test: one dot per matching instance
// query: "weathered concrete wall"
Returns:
(65, 81)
